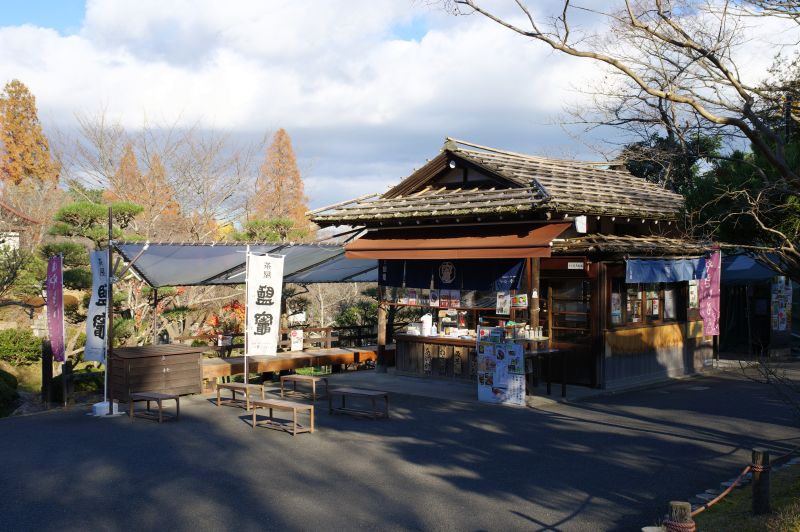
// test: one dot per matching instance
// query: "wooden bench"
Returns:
(237, 387)
(158, 398)
(305, 378)
(346, 392)
(294, 428)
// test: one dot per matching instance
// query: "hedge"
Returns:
(20, 347)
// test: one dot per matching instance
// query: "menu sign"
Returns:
(501, 373)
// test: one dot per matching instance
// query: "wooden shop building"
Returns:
(481, 237)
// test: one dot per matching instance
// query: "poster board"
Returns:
(501, 373)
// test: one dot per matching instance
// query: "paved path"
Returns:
(610, 463)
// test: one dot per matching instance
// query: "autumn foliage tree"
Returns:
(152, 191)
(279, 190)
(25, 149)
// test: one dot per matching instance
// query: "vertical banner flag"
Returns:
(708, 293)
(95, 349)
(55, 307)
(264, 292)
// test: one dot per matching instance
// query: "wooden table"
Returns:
(158, 398)
(305, 378)
(346, 392)
(294, 428)
(239, 387)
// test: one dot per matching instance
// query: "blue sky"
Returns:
(64, 16)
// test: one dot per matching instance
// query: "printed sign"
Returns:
(264, 292)
(574, 265)
(55, 307)
(708, 295)
(501, 373)
(519, 301)
(503, 306)
(95, 349)
(296, 337)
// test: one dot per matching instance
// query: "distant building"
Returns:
(15, 226)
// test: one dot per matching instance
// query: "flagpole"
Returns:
(109, 397)
(246, 294)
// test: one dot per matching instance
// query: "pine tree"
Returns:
(24, 148)
(279, 187)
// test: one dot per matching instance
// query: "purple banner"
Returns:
(708, 292)
(55, 307)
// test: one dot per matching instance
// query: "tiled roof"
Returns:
(438, 202)
(525, 183)
(578, 187)
(650, 245)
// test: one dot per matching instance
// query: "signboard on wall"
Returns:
(501, 373)
(264, 292)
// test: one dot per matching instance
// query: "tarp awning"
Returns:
(532, 243)
(191, 264)
(744, 269)
(664, 270)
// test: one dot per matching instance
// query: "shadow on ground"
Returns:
(611, 463)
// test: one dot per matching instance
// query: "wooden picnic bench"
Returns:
(307, 379)
(294, 428)
(158, 398)
(237, 387)
(346, 392)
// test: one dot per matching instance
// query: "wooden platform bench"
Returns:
(313, 380)
(372, 395)
(158, 398)
(292, 427)
(237, 387)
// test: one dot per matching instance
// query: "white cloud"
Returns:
(362, 105)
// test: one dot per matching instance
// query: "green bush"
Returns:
(19, 347)
(85, 381)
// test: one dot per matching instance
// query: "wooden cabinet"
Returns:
(174, 369)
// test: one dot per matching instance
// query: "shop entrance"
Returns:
(567, 312)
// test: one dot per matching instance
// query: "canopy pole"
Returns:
(155, 316)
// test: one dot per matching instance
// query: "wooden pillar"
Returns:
(47, 373)
(760, 465)
(533, 287)
(380, 367)
(155, 316)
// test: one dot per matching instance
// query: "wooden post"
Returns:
(380, 366)
(533, 286)
(155, 316)
(760, 465)
(680, 517)
(47, 373)
(67, 386)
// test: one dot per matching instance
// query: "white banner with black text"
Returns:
(95, 349)
(264, 292)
